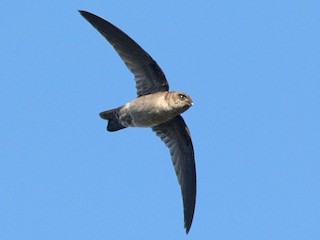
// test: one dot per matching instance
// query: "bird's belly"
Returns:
(146, 116)
(147, 111)
(150, 118)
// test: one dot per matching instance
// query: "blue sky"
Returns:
(252, 69)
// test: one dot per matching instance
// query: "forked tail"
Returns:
(113, 119)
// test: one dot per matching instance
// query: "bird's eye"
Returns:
(182, 96)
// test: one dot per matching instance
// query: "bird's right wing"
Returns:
(175, 134)
(148, 75)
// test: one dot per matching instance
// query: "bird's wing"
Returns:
(148, 75)
(175, 134)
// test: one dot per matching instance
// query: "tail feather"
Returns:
(112, 116)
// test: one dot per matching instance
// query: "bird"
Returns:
(155, 107)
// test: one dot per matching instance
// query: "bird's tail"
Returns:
(113, 119)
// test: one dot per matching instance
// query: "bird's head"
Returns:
(182, 100)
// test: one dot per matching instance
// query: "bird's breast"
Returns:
(147, 111)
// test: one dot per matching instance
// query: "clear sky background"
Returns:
(253, 71)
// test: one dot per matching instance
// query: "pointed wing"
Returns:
(175, 134)
(148, 75)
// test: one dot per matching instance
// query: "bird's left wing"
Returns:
(175, 134)
(148, 75)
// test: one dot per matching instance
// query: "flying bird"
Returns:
(155, 107)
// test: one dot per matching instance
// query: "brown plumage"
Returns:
(154, 107)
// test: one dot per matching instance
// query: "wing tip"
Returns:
(187, 225)
(187, 229)
(84, 14)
